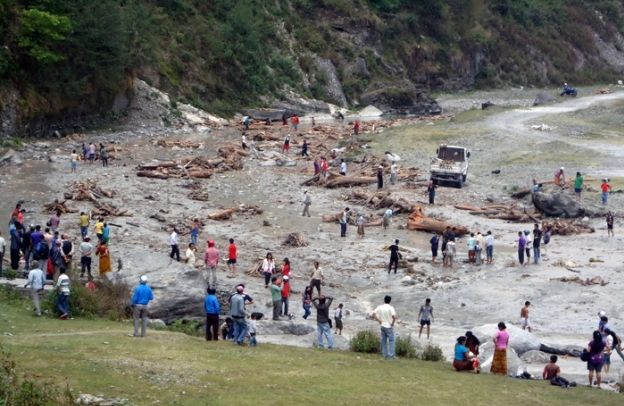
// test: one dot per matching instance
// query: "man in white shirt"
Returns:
(343, 167)
(2, 249)
(86, 249)
(173, 242)
(489, 247)
(63, 286)
(386, 316)
(36, 281)
(344, 220)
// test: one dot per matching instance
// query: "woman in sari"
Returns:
(501, 342)
(105, 261)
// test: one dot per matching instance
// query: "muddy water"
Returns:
(26, 182)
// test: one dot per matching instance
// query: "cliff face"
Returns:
(65, 64)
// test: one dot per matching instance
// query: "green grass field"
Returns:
(165, 368)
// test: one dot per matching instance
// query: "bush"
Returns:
(365, 341)
(10, 274)
(405, 348)
(432, 352)
(189, 327)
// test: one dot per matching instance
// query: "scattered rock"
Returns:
(542, 98)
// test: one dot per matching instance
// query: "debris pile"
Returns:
(58, 206)
(418, 221)
(87, 190)
(295, 240)
(596, 280)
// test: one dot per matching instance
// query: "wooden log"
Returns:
(314, 179)
(331, 218)
(418, 221)
(152, 174)
(466, 207)
(345, 181)
(224, 214)
(158, 165)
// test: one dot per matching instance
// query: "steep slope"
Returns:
(64, 63)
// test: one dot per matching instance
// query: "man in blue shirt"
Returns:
(212, 308)
(140, 299)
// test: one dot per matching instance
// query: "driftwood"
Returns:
(295, 240)
(381, 200)
(59, 206)
(181, 144)
(87, 190)
(224, 214)
(108, 210)
(596, 280)
(230, 158)
(198, 195)
(418, 221)
(510, 212)
(567, 227)
(348, 181)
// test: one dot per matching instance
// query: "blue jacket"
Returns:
(142, 295)
(211, 305)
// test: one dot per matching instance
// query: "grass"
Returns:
(96, 357)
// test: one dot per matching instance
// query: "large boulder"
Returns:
(486, 355)
(401, 100)
(536, 357)
(559, 205)
(571, 350)
(520, 340)
(330, 81)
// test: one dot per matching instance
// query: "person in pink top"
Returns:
(501, 342)
(212, 260)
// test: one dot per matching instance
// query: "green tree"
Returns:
(40, 32)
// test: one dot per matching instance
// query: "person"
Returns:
(85, 152)
(91, 152)
(99, 228)
(360, 225)
(294, 120)
(67, 252)
(471, 244)
(317, 166)
(232, 255)
(606, 354)
(528, 245)
(276, 296)
(546, 236)
(90, 285)
(26, 247)
(578, 185)
(524, 316)
(450, 252)
(604, 321)
(306, 302)
(190, 254)
(609, 218)
(343, 167)
(213, 309)
(323, 328)
(431, 187)
(380, 180)
(605, 188)
(246, 122)
(560, 177)
(141, 297)
(385, 315)
(395, 255)
(62, 301)
(105, 261)
(253, 330)
(501, 342)
(304, 149)
(479, 248)
(324, 169)
(106, 233)
(173, 242)
(104, 155)
(434, 241)
(356, 127)
(2, 251)
(238, 314)
(16, 242)
(552, 373)
(489, 247)
(73, 160)
(286, 145)
(211, 259)
(617, 341)
(244, 141)
(393, 173)
(36, 281)
(84, 224)
(55, 221)
(595, 362)
(387, 218)
(317, 278)
(425, 315)
(473, 343)
(268, 268)
(286, 268)
(338, 319)
(307, 201)
(195, 231)
(344, 220)
(521, 247)
(285, 294)
(537, 239)
(56, 258)
(536, 187)
(464, 360)
(227, 329)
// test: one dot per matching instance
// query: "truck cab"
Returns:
(450, 165)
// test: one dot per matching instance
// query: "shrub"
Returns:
(432, 352)
(188, 327)
(405, 347)
(365, 341)
(10, 274)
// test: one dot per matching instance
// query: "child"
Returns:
(426, 317)
(524, 316)
(231, 262)
(195, 232)
(253, 330)
(285, 294)
(227, 328)
(90, 285)
(551, 373)
(190, 254)
(338, 319)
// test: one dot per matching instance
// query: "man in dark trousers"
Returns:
(323, 327)
(212, 308)
(394, 256)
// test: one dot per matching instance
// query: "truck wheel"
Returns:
(464, 177)
(460, 182)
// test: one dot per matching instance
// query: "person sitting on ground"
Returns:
(552, 373)
(464, 360)
(472, 342)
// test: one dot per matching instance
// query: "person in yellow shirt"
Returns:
(84, 224)
(99, 228)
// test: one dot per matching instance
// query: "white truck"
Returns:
(451, 165)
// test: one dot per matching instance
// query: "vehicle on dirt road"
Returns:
(450, 165)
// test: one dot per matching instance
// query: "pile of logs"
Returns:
(295, 240)
(567, 227)
(418, 221)
(58, 206)
(87, 190)
(335, 180)
(107, 210)
(511, 212)
(226, 214)
(200, 167)
(381, 200)
(180, 144)
(596, 280)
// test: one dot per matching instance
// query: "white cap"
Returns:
(143, 278)
(562, 168)
(286, 277)
(602, 313)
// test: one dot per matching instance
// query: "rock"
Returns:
(271, 114)
(558, 205)
(270, 327)
(543, 98)
(535, 356)
(370, 111)
(401, 100)
(156, 323)
(486, 355)
(572, 350)
(486, 105)
(292, 103)
(520, 340)
(408, 281)
(330, 82)
(11, 157)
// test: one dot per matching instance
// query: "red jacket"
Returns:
(285, 289)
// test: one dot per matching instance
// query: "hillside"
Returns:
(96, 357)
(64, 63)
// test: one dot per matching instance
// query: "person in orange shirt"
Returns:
(232, 256)
(605, 188)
